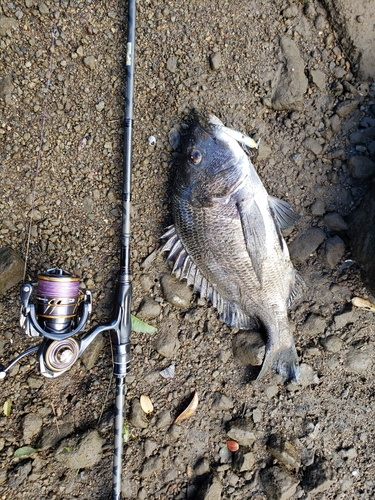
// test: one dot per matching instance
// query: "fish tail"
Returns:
(283, 361)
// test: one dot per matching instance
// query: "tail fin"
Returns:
(283, 361)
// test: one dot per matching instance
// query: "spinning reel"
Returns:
(56, 310)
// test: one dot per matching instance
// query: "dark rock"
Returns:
(284, 451)
(151, 466)
(346, 108)
(243, 461)
(277, 483)
(292, 82)
(332, 251)
(305, 244)
(32, 424)
(362, 236)
(137, 416)
(361, 167)
(51, 435)
(210, 490)
(318, 207)
(318, 477)
(11, 269)
(335, 222)
(167, 344)
(92, 353)
(249, 348)
(18, 475)
(148, 308)
(80, 452)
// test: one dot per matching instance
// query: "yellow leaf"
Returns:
(189, 410)
(146, 404)
(7, 407)
(363, 304)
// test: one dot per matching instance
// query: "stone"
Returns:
(319, 79)
(222, 402)
(172, 64)
(11, 269)
(249, 348)
(347, 107)
(344, 319)
(91, 355)
(18, 475)
(332, 343)
(6, 88)
(305, 244)
(291, 83)
(362, 237)
(150, 446)
(361, 167)
(90, 62)
(175, 292)
(167, 345)
(43, 8)
(210, 490)
(358, 361)
(335, 123)
(51, 435)
(148, 308)
(243, 461)
(335, 222)
(307, 377)
(215, 61)
(164, 419)
(151, 466)
(241, 430)
(137, 416)
(81, 452)
(315, 325)
(332, 251)
(32, 425)
(313, 146)
(318, 477)
(284, 451)
(277, 483)
(6, 24)
(318, 207)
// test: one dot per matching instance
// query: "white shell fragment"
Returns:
(146, 404)
(168, 372)
(152, 140)
(363, 304)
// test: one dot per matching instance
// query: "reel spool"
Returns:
(57, 300)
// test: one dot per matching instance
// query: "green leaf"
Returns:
(140, 326)
(25, 451)
(66, 448)
(125, 432)
(7, 407)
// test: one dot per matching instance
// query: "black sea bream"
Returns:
(226, 238)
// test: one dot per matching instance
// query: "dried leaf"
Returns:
(168, 372)
(232, 445)
(25, 451)
(7, 407)
(125, 433)
(363, 304)
(146, 404)
(189, 410)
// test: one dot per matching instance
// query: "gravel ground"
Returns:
(281, 71)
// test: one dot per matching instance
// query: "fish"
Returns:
(226, 238)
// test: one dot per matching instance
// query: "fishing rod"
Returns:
(57, 310)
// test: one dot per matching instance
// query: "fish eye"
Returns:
(195, 156)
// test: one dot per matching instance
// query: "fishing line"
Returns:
(41, 138)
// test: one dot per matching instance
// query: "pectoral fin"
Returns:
(254, 232)
(284, 213)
